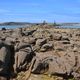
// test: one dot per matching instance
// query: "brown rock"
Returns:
(46, 47)
(3, 78)
(23, 57)
(40, 42)
(57, 36)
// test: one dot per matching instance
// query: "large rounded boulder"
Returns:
(23, 56)
(6, 58)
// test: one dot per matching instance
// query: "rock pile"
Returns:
(56, 52)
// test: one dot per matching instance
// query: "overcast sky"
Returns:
(39, 10)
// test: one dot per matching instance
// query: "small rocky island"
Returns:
(40, 52)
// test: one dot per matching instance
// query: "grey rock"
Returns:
(29, 32)
(17, 33)
(10, 39)
(40, 42)
(21, 45)
(23, 57)
(57, 36)
(65, 38)
(40, 66)
(66, 42)
(54, 64)
(36, 48)
(6, 58)
(46, 47)
(30, 40)
(42, 33)
(58, 46)
(3, 78)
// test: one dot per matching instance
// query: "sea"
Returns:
(70, 27)
(11, 26)
(19, 26)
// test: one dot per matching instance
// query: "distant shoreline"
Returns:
(27, 23)
(12, 25)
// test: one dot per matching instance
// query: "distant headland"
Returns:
(25, 23)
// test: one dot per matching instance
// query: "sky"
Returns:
(39, 10)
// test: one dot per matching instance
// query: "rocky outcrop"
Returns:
(40, 42)
(23, 56)
(6, 58)
(56, 51)
(46, 47)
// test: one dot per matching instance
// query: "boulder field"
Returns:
(39, 50)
